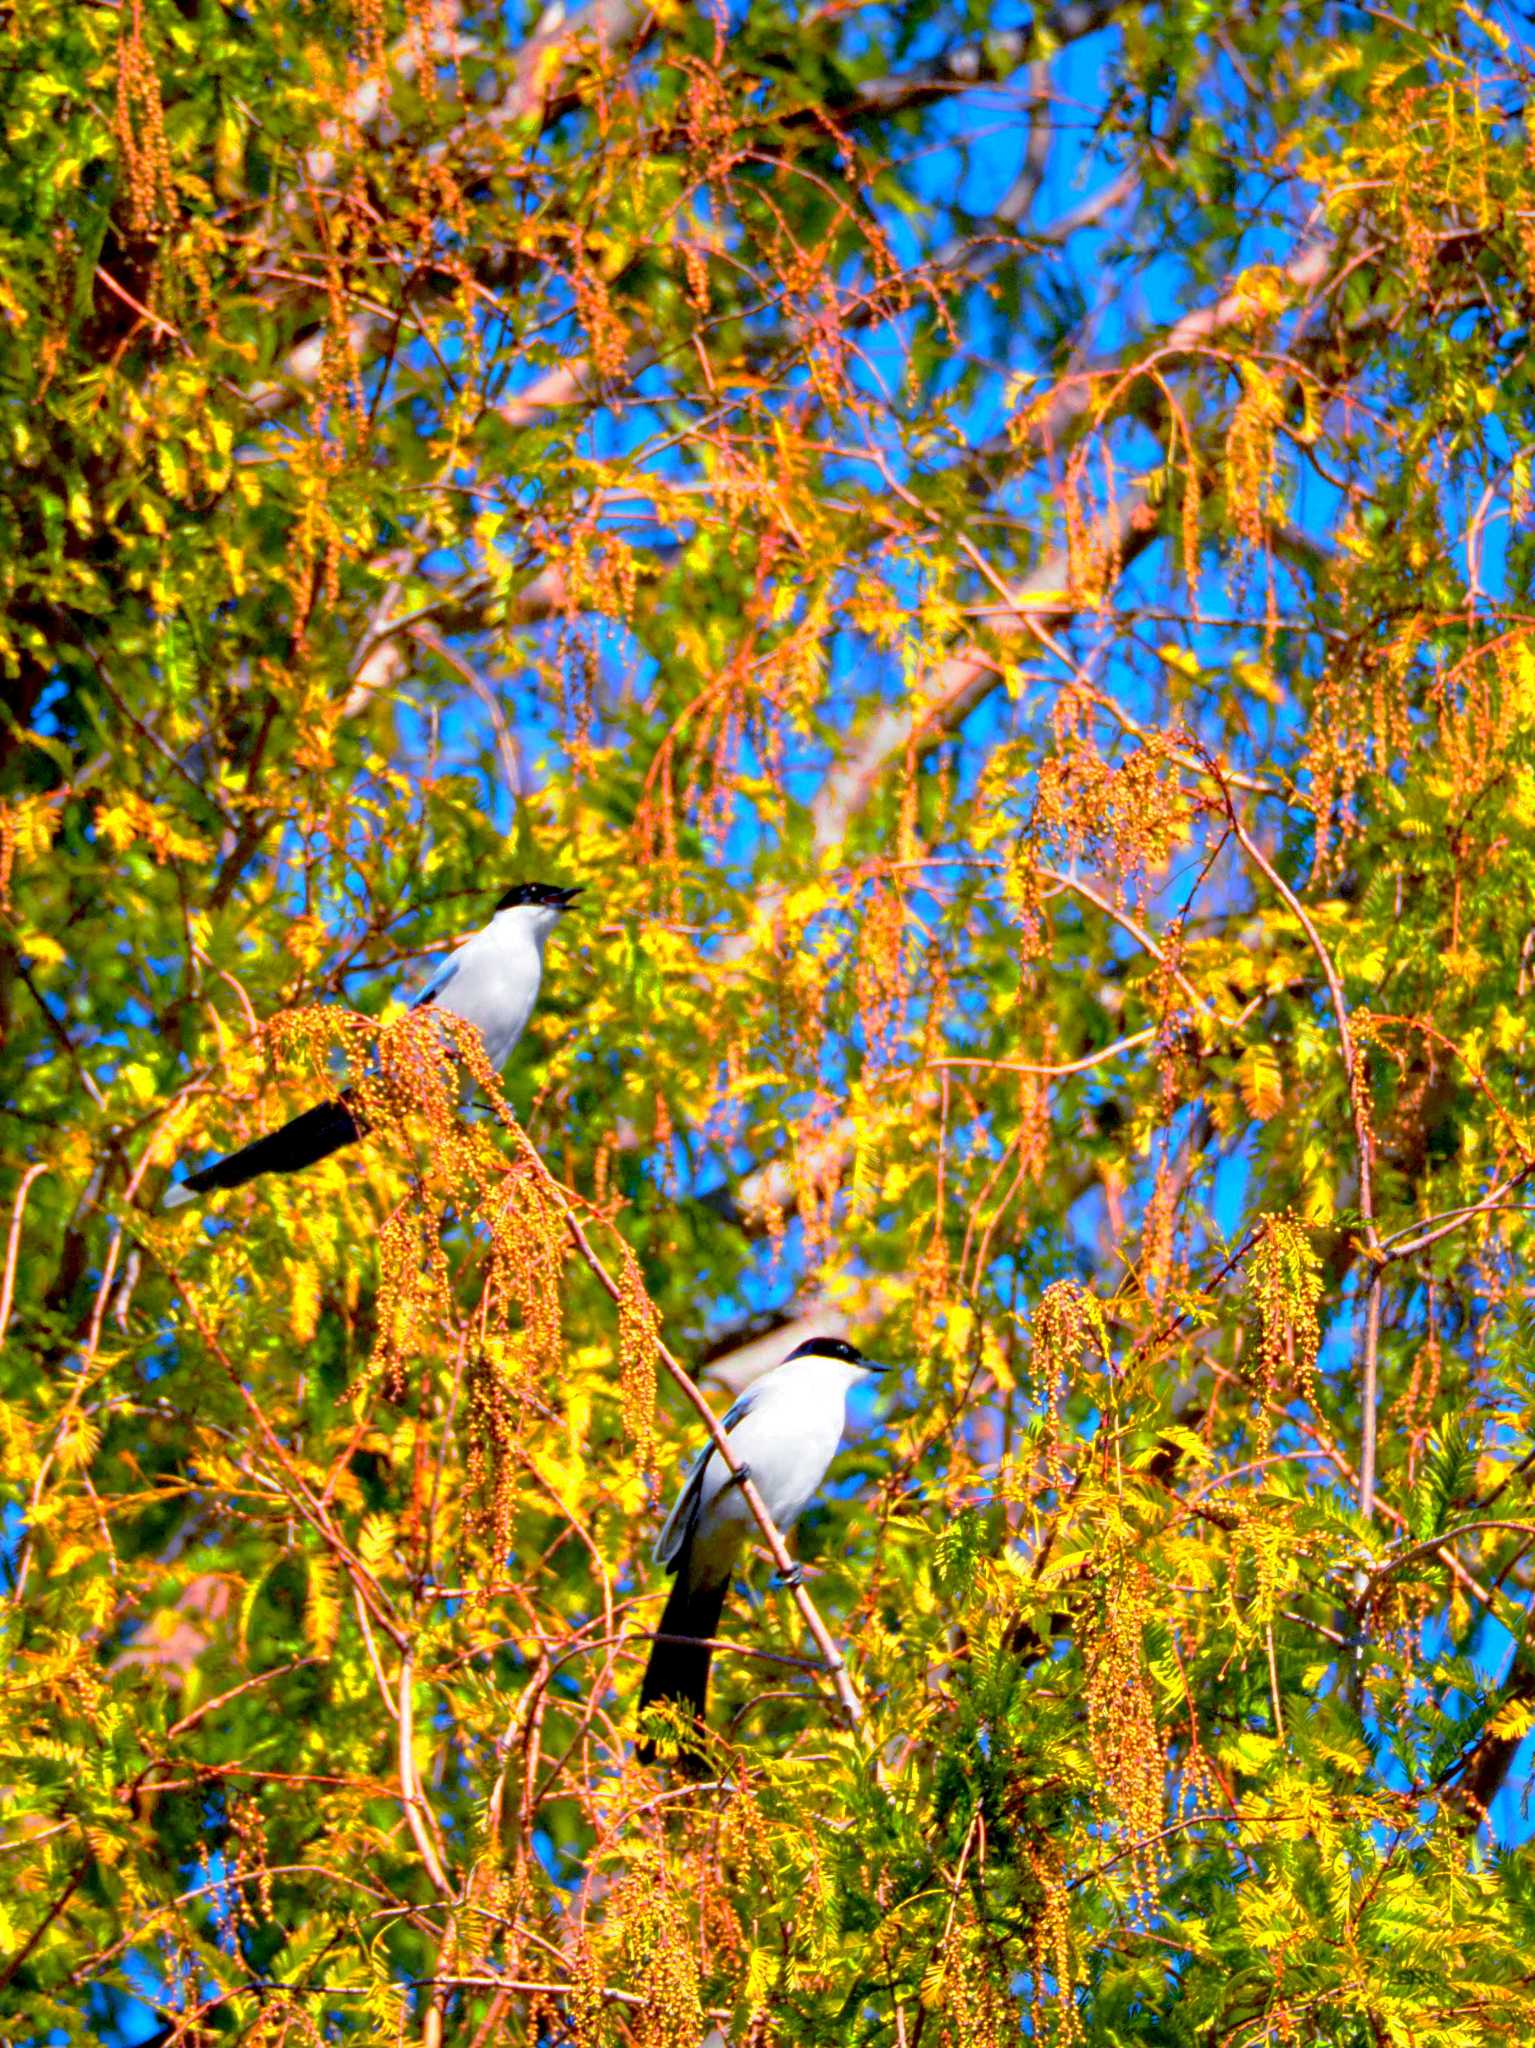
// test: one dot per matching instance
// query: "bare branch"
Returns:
(989, 63)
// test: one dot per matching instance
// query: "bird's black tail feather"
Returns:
(678, 1670)
(306, 1140)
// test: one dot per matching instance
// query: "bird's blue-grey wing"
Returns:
(435, 982)
(679, 1523)
(742, 1407)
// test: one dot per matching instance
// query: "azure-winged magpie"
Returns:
(491, 981)
(784, 1432)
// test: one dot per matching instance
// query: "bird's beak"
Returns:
(569, 895)
(873, 1365)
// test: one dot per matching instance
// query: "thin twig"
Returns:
(1279, 1734)
(1081, 1066)
(71, 1885)
(1133, 927)
(1369, 1389)
(418, 1815)
(13, 1244)
(1400, 1246)
(1435, 1546)
(1362, 1134)
(60, 1032)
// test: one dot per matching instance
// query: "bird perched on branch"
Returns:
(491, 980)
(783, 1433)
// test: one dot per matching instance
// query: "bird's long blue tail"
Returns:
(306, 1140)
(678, 1670)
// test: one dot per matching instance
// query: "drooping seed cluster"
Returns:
(1121, 1711)
(140, 128)
(1284, 1281)
(645, 1944)
(1052, 2001)
(408, 1089)
(1065, 1318)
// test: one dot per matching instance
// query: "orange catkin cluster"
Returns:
(1051, 1949)
(140, 128)
(1284, 1280)
(410, 1081)
(1122, 1718)
(1064, 1318)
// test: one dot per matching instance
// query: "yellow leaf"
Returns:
(304, 1302)
(116, 827)
(42, 950)
(1179, 658)
(1258, 677)
(1260, 1081)
(137, 1079)
(1514, 1718)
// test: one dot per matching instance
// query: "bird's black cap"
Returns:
(539, 895)
(837, 1348)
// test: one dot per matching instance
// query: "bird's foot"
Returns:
(793, 1578)
(740, 1475)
